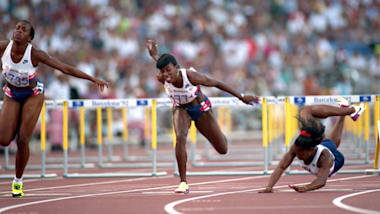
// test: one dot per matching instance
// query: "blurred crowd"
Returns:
(271, 47)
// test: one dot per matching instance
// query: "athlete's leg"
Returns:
(181, 122)
(336, 132)
(324, 111)
(29, 116)
(9, 120)
(209, 127)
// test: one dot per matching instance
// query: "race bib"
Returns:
(16, 78)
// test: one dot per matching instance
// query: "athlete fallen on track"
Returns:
(317, 154)
(189, 103)
(25, 93)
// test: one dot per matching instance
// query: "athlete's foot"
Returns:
(182, 189)
(359, 109)
(342, 102)
(17, 190)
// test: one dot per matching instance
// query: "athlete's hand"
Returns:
(152, 48)
(298, 188)
(266, 190)
(101, 84)
(250, 99)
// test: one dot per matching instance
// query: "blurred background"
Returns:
(268, 47)
(271, 47)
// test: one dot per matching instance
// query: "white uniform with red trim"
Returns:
(183, 95)
(312, 167)
(18, 74)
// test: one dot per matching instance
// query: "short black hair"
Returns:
(314, 129)
(31, 33)
(165, 59)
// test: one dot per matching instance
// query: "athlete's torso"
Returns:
(313, 166)
(19, 74)
(183, 95)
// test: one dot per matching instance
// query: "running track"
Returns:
(212, 194)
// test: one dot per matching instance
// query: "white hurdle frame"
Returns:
(98, 104)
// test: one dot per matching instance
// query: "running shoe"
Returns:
(17, 190)
(359, 109)
(182, 189)
(342, 102)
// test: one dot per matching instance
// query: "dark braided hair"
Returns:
(311, 133)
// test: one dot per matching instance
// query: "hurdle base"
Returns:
(113, 175)
(227, 173)
(372, 171)
(56, 166)
(10, 176)
(353, 171)
(133, 165)
(224, 164)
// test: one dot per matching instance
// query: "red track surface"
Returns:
(208, 194)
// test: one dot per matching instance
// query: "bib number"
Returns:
(16, 78)
(179, 98)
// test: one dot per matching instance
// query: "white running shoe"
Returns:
(342, 102)
(182, 189)
(359, 109)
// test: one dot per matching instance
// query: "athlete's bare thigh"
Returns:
(181, 121)
(9, 120)
(209, 127)
(29, 115)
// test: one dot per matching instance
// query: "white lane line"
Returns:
(25, 181)
(169, 208)
(119, 192)
(172, 192)
(41, 194)
(322, 190)
(84, 184)
(338, 202)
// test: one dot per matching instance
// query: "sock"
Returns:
(17, 180)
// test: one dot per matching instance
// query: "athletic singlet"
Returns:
(312, 167)
(183, 95)
(18, 74)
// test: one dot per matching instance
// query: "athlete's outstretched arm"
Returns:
(197, 78)
(151, 45)
(53, 62)
(325, 162)
(281, 167)
(153, 52)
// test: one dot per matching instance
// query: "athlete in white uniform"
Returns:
(24, 93)
(318, 155)
(189, 103)
(313, 166)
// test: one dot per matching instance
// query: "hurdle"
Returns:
(266, 147)
(234, 154)
(101, 164)
(98, 104)
(43, 165)
(354, 99)
(265, 163)
(50, 105)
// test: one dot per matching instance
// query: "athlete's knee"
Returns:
(5, 142)
(181, 138)
(223, 146)
(5, 139)
(22, 142)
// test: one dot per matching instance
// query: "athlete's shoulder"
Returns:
(38, 55)
(191, 69)
(3, 46)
